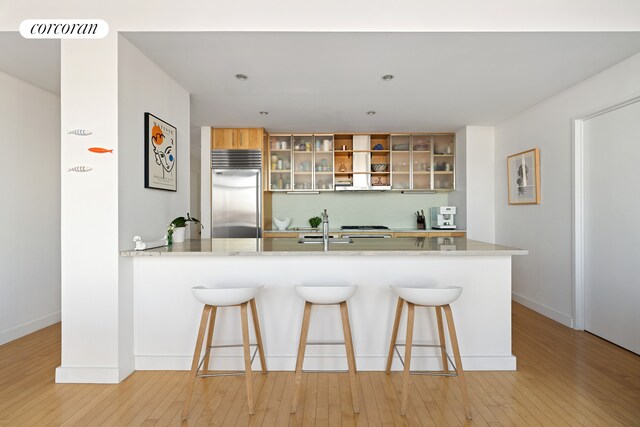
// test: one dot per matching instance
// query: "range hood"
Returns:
(361, 166)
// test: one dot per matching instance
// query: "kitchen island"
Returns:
(166, 315)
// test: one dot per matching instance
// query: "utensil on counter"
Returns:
(420, 221)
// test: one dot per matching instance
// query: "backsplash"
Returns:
(395, 210)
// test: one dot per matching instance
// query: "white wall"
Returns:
(30, 213)
(543, 279)
(145, 87)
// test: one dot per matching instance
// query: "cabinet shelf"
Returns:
(443, 172)
(281, 171)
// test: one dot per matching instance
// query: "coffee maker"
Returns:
(443, 218)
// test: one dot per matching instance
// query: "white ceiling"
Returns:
(34, 61)
(328, 81)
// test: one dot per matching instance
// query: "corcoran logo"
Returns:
(64, 28)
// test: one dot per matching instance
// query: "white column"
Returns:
(93, 348)
(480, 188)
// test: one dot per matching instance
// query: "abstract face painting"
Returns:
(163, 149)
(160, 154)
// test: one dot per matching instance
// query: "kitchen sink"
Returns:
(319, 240)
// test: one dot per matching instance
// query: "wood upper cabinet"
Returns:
(237, 139)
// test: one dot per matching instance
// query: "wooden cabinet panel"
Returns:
(237, 139)
(250, 139)
(447, 234)
(223, 139)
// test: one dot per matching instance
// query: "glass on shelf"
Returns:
(323, 143)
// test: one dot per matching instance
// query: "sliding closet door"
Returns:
(612, 226)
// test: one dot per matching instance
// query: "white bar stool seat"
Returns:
(326, 295)
(439, 298)
(212, 298)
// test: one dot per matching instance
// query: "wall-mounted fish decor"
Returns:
(80, 132)
(80, 169)
(100, 150)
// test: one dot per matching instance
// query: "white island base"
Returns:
(166, 315)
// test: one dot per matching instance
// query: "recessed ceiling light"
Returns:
(241, 76)
(371, 113)
(264, 113)
(387, 77)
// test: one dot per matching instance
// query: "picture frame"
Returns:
(160, 154)
(523, 177)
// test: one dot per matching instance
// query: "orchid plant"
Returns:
(180, 222)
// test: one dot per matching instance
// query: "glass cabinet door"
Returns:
(421, 146)
(443, 162)
(303, 162)
(400, 162)
(280, 162)
(323, 163)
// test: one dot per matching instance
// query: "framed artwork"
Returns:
(160, 154)
(523, 170)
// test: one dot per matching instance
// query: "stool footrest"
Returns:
(433, 373)
(326, 343)
(224, 374)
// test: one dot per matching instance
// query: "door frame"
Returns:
(578, 207)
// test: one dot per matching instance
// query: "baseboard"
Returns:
(28, 327)
(543, 309)
(364, 363)
(90, 375)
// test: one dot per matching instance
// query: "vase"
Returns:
(178, 234)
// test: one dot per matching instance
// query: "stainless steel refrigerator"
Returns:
(236, 192)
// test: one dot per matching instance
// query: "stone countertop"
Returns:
(434, 246)
(390, 230)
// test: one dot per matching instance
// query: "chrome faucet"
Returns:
(325, 231)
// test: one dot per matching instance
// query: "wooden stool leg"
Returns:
(394, 334)
(247, 355)
(207, 351)
(351, 360)
(443, 349)
(256, 328)
(458, 360)
(407, 360)
(196, 360)
(301, 348)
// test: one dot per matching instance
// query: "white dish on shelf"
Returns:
(282, 224)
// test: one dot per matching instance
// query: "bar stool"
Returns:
(212, 298)
(326, 295)
(439, 298)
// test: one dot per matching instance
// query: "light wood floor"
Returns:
(564, 378)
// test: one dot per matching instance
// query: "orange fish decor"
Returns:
(100, 150)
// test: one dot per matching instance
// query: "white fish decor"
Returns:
(80, 169)
(80, 132)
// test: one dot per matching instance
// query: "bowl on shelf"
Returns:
(282, 224)
(379, 167)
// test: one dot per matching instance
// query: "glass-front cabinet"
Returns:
(280, 162)
(323, 163)
(443, 161)
(400, 162)
(421, 161)
(301, 162)
(320, 162)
